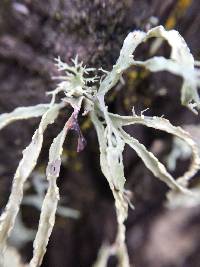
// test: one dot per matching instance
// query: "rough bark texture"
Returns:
(32, 33)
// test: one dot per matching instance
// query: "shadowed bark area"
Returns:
(32, 33)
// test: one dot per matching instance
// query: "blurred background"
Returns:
(32, 33)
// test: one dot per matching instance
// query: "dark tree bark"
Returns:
(32, 33)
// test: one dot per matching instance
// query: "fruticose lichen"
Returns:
(79, 90)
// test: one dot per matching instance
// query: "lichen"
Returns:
(82, 90)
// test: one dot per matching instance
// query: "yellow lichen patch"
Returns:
(41, 168)
(144, 73)
(184, 3)
(127, 103)
(69, 153)
(78, 166)
(112, 96)
(177, 12)
(132, 74)
(171, 22)
(86, 124)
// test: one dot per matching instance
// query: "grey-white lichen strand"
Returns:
(49, 206)
(26, 165)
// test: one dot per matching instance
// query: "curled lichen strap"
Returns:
(164, 125)
(22, 113)
(181, 62)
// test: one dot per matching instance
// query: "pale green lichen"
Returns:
(80, 90)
